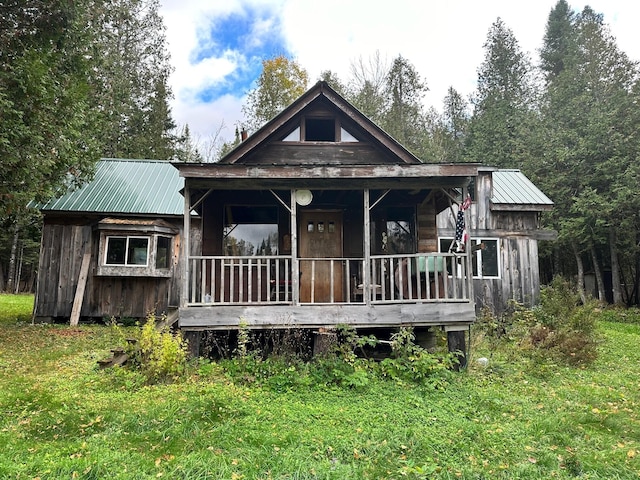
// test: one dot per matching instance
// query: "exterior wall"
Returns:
(515, 231)
(63, 246)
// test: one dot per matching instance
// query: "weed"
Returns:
(159, 354)
(565, 331)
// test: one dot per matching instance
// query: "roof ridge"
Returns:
(145, 160)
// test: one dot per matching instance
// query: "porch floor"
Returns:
(450, 315)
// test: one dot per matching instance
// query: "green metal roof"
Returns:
(512, 187)
(122, 186)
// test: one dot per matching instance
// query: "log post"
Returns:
(323, 341)
(193, 340)
(456, 340)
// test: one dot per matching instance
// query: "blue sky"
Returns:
(248, 35)
(217, 47)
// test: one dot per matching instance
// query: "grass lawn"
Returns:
(61, 417)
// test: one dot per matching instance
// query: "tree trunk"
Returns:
(615, 268)
(580, 280)
(598, 271)
(13, 259)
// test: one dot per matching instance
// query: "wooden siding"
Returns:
(518, 232)
(61, 254)
(318, 153)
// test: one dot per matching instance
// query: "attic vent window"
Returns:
(320, 130)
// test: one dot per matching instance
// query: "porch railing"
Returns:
(407, 278)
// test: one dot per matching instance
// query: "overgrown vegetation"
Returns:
(62, 417)
(157, 353)
(560, 329)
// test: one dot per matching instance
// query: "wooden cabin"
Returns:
(320, 218)
(112, 248)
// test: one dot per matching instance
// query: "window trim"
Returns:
(298, 131)
(128, 239)
(477, 257)
(136, 270)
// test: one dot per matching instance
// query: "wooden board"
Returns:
(315, 316)
(82, 283)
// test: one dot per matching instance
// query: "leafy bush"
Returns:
(411, 363)
(506, 326)
(158, 353)
(564, 330)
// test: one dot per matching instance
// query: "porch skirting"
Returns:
(451, 315)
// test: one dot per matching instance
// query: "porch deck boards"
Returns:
(451, 315)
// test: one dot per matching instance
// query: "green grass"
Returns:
(15, 308)
(62, 417)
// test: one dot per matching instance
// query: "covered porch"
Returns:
(361, 251)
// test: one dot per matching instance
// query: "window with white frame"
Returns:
(127, 250)
(485, 256)
(136, 248)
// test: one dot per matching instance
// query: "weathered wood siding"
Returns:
(517, 232)
(63, 246)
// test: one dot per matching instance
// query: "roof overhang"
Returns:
(521, 207)
(228, 177)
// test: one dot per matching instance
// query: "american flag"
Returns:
(461, 232)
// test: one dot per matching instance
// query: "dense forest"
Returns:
(571, 122)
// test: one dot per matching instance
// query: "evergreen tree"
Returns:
(502, 120)
(130, 78)
(557, 40)
(592, 122)
(404, 117)
(453, 126)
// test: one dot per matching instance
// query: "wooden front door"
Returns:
(321, 238)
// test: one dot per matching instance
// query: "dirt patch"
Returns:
(70, 332)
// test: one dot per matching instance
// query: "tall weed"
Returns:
(159, 354)
(564, 331)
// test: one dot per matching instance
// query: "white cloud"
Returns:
(443, 40)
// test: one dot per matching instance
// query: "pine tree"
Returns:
(502, 118)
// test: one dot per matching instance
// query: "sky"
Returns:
(217, 46)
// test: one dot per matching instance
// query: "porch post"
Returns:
(467, 246)
(366, 267)
(186, 251)
(295, 265)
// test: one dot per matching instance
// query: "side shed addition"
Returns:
(505, 231)
(128, 222)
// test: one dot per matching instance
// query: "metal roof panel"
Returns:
(150, 187)
(512, 187)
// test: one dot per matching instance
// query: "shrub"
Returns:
(564, 331)
(411, 363)
(158, 353)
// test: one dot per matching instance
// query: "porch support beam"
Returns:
(379, 199)
(295, 263)
(186, 251)
(280, 200)
(366, 287)
(200, 200)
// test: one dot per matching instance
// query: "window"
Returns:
(486, 258)
(320, 130)
(250, 231)
(163, 252)
(132, 251)
(395, 229)
(136, 248)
